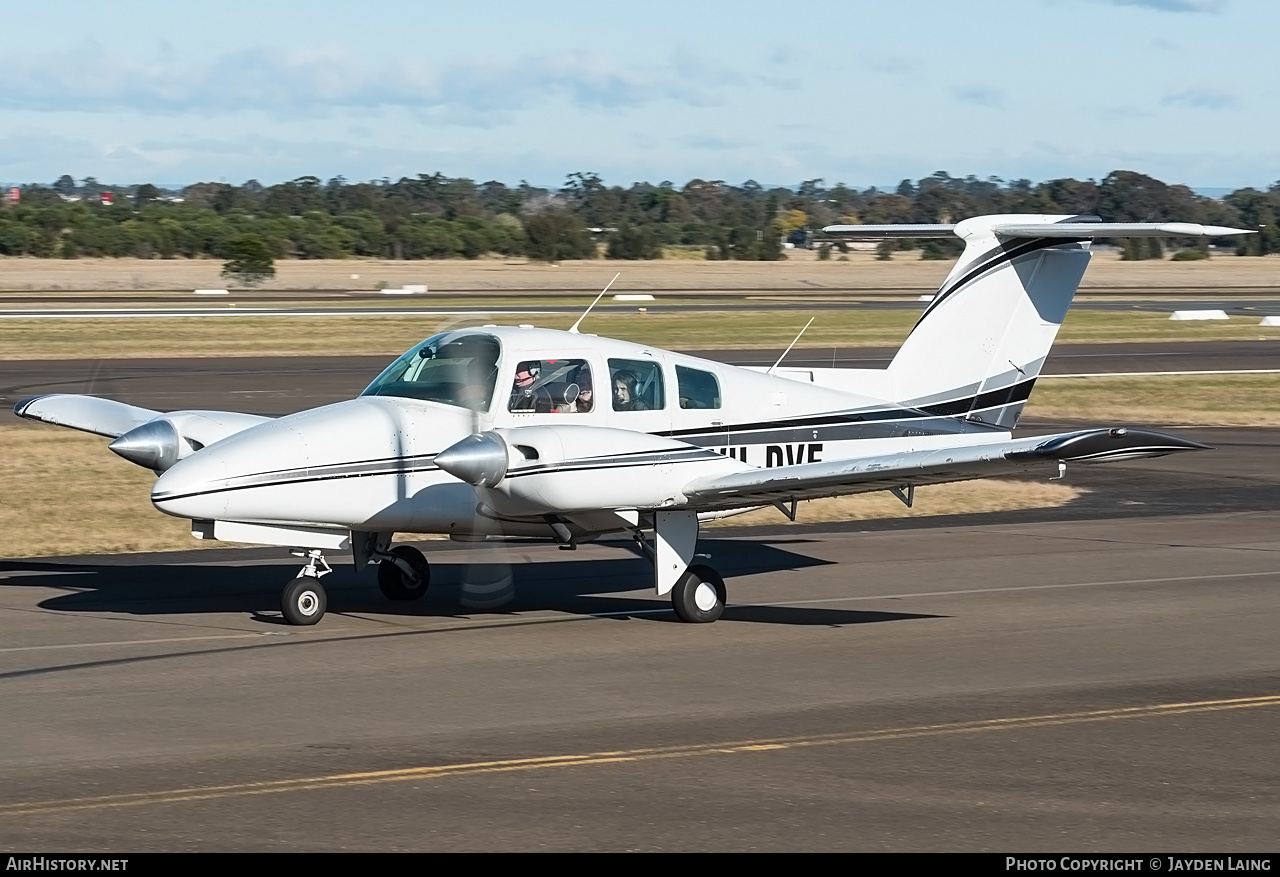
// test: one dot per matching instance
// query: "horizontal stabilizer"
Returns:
(891, 231)
(934, 466)
(1077, 231)
(1080, 231)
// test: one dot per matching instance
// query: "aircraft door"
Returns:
(698, 414)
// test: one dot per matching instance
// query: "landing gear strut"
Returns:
(304, 600)
(697, 591)
(403, 573)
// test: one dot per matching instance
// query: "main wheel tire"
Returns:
(699, 596)
(395, 585)
(304, 601)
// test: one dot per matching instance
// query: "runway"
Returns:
(664, 302)
(1070, 686)
(1098, 677)
(282, 385)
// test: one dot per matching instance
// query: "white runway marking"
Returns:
(1220, 371)
(161, 313)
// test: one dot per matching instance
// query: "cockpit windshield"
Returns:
(456, 369)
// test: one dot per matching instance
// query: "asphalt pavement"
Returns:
(1103, 676)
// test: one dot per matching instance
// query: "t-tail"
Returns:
(980, 345)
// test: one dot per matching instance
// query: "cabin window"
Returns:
(698, 389)
(552, 386)
(449, 368)
(636, 385)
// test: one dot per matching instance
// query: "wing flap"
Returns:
(882, 472)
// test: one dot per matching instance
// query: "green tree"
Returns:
(557, 235)
(145, 194)
(248, 260)
(633, 242)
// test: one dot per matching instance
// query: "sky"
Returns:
(865, 92)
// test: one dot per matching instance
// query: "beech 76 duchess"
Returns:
(520, 431)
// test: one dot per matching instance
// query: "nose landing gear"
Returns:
(304, 600)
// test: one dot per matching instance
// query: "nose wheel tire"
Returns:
(699, 596)
(393, 582)
(304, 601)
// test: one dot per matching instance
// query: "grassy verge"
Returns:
(65, 493)
(688, 329)
(1205, 400)
(966, 497)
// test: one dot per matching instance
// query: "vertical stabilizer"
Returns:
(980, 345)
(982, 341)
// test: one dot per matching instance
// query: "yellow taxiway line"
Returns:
(432, 772)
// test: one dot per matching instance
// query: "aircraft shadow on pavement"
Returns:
(619, 587)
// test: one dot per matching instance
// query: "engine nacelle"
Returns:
(571, 468)
(164, 440)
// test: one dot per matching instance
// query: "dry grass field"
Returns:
(689, 329)
(800, 271)
(1166, 400)
(65, 493)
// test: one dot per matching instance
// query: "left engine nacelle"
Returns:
(164, 440)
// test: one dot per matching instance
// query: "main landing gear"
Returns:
(697, 591)
(403, 574)
(699, 596)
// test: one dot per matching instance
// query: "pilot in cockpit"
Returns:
(526, 393)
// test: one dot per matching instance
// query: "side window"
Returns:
(636, 385)
(698, 389)
(547, 386)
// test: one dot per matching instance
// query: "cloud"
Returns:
(980, 95)
(317, 80)
(1200, 98)
(713, 142)
(1121, 113)
(891, 65)
(1174, 5)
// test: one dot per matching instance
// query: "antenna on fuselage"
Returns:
(574, 327)
(789, 346)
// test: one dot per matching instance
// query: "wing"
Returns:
(86, 413)
(152, 439)
(888, 471)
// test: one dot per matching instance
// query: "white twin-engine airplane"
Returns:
(518, 431)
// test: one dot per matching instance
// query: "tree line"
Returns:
(436, 217)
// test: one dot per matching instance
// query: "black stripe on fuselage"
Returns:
(948, 410)
(1018, 392)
